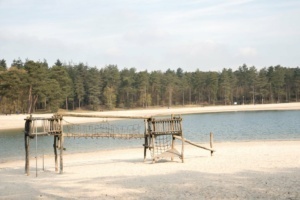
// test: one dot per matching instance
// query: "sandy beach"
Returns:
(17, 121)
(237, 170)
(241, 170)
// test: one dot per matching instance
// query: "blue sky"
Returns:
(153, 34)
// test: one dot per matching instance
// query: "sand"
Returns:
(17, 121)
(237, 170)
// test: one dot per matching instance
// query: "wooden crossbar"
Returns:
(105, 135)
(103, 116)
(194, 144)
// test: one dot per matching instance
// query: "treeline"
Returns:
(33, 85)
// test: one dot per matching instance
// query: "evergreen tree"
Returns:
(60, 74)
(3, 66)
(93, 88)
(37, 83)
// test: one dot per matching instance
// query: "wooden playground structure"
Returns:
(160, 135)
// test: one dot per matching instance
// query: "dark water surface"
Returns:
(231, 126)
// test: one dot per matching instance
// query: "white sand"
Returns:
(241, 170)
(244, 170)
(17, 121)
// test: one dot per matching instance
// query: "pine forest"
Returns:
(34, 86)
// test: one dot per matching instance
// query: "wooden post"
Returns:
(211, 142)
(153, 145)
(146, 140)
(173, 138)
(153, 139)
(61, 153)
(61, 146)
(173, 144)
(182, 148)
(27, 132)
(26, 154)
(55, 152)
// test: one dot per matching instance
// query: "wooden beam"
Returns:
(105, 135)
(102, 116)
(194, 144)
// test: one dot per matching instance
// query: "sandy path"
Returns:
(17, 121)
(244, 170)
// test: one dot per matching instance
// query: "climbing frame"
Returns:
(160, 135)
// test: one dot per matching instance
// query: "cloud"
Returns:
(146, 37)
(247, 52)
(155, 34)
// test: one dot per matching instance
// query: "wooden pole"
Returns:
(27, 139)
(194, 144)
(55, 152)
(211, 142)
(173, 146)
(61, 147)
(61, 153)
(173, 138)
(182, 148)
(146, 140)
(26, 154)
(153, 140)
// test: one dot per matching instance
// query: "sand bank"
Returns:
(17, 121)
(243, 170)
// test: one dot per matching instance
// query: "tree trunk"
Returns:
(29, 100)
(183, 97)
(170, 97)
(67, 103)
(34, 102)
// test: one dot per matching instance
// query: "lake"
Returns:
(231, 126)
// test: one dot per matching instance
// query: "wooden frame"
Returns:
(163, 127)
(167, 130)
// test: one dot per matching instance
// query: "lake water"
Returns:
(232, 126)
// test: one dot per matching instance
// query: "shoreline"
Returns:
(242, 170)
(250, 169)
(16, 121)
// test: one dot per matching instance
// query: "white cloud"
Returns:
(247, 52)
(156, 34)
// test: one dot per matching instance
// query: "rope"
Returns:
(163, 130)
(103, 129)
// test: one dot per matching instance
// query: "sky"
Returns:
(208, 35)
